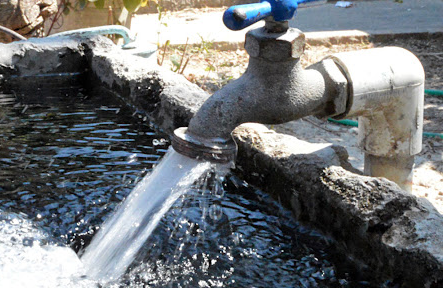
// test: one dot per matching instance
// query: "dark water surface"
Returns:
(67, 167)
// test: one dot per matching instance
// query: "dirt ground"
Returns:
(211, 69)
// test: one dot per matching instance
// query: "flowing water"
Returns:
(115, 246)
(65, 167)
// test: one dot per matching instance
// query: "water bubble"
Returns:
(218, 190)
(215, 212)
(15, 221)
(319, 275)
(205, 263)
(158, 142)
(200, 236)
(236, 237)
(203, 203)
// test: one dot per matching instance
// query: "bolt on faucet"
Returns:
(383, 86)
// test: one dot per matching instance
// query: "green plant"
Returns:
(206, 45)
(130, 5)
(66, 6)
(206, 48)
(178, 61)
(161, 19)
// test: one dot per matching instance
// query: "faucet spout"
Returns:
(268, 93)
(274, 89)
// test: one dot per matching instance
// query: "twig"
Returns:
(111, 22)
(164, 52)
(57, 15)
(186, 63)
(318, 126)
(184, 55)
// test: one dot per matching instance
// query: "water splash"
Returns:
(31, 258)
(116, 244)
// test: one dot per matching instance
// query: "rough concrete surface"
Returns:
(167, 98)
(22, 69)
(388, 233)
(25, 57)
(377, 223)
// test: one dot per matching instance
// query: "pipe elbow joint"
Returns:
(386, 87)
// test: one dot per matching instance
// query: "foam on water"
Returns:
(116, 244)
(30, 258)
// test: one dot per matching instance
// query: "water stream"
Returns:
(119, 239)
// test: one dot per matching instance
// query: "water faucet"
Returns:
(371, 84)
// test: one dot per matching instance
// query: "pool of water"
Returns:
(66, 165)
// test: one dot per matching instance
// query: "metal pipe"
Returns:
(387, 94)
(262, 95)
(12, 33)
(138, 48)
(128, 36)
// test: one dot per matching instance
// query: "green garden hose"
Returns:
(353, 123)
(346, 122)
(433, 92)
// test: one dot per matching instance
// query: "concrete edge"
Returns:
(328, 38)
(381, 227)
(389, 234)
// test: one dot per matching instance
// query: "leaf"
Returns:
(210, 68)
(175, 61)
(66, 11)
(144, 3)
(99, 4)
(132, 5)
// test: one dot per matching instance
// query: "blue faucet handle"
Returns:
(241, 16)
